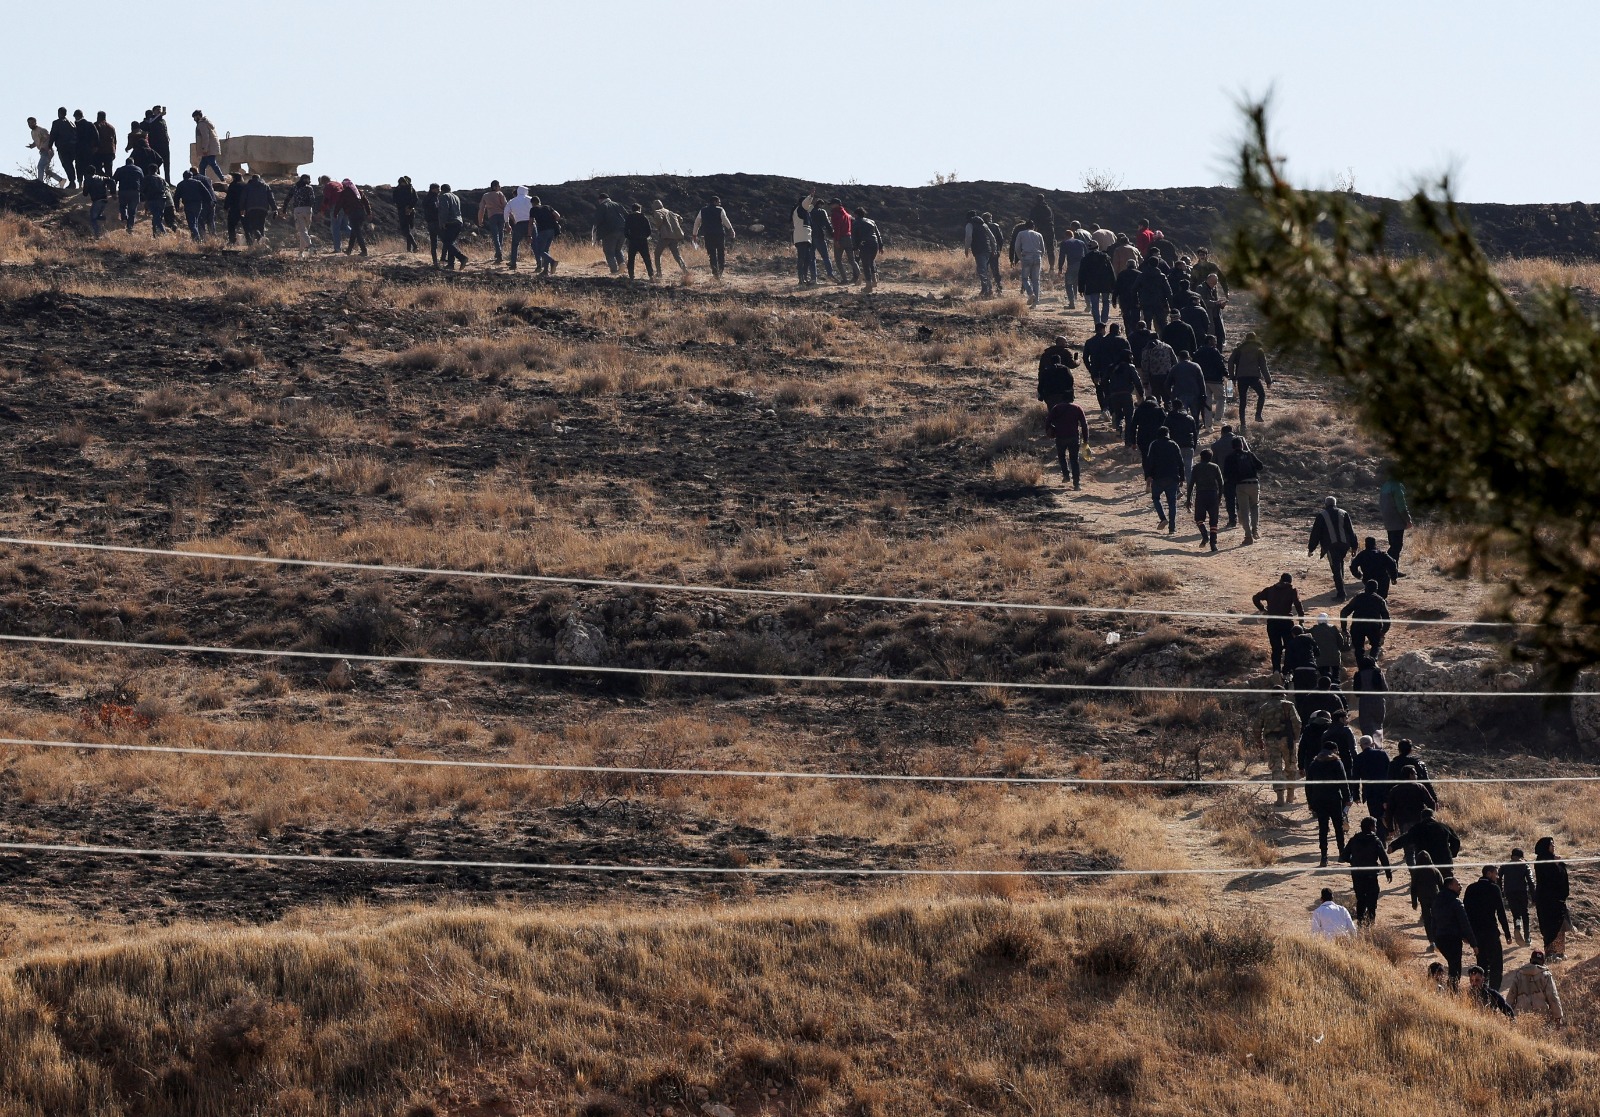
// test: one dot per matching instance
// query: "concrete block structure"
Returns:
(268, 156)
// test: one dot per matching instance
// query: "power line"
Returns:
(732, 591)
(743, 676)
(739, 773)
(718, 870)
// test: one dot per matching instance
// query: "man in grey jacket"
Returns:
(451, 224)
(610, 221)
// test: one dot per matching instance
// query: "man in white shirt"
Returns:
(1030, 248)
(1329, 920)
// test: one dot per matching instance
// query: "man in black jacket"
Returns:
(1148, 420)
(1045, 221)
(1096, 282)
(1431, 836)
(1121, 385)
(636, 231)
(87, 145)
(1373, 565)
(1241, 488)
(1214, 368)
(1126, 295)
(1486, 911)
(1367, 858)
(1328, 794)
(1366, 616)
(1099, 355)
(1516, 883)
(155, 131)
(1055, 372)
(1372, 772)
(1451, 927)
(64, 137)
(1163, 465)
(1155, 295)
(1179, 334)
(1185, 432)
(233, 205)
(1333, 532)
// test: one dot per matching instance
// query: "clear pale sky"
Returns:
(866, 91)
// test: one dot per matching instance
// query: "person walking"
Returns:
(869, 243)
(1373, 565)
(64, 139)
(1486, 911)
(519, 216)
(821, 238)
(259, 201)
(1333, 533)
(404, 197)
(1370, 623)
(1532, 991)
(157, 197)
(1097, 283)
(45, 146)
(357, 210)
(143, 154)
(429, 204)
(1205, 496)
(1277, 730)
(300, 202)
(105, 134)
(804, 250)
(1481, 991)
(979, 243)
(207, 144)
(1055, 372)
(1410, 792)
(1155, 296)
(1043, 221)
(1187, 384)
(1186, 433)
(1069, 426)
(1030, 246)
(1125, 294)
(713, 229)
(155, 131)
(1331, 645)
(1163, 465)
(1179, 334)
(338, 224)
(97, 188)
(844, 241)
(1247, 368)
(1121, 385)
(1281, 603)
(1452, 930)
(1551, 890)
(1070, 254)
(1328, 796)
(1396, 516)
(492, 218)
(1241, 488)
(1370, 685)
(86, 144)
(451, 224)
(130, 189)
(191, 197)
(546, 228)
(1427, 882)
(636, 231)
(1440, 842)
(998, 283)
(609, 230)
(1516, 884)
(1214, 300)
(1367, 858)
(666, 235)
(233, 206)
(1331, 920)
(1371, 773)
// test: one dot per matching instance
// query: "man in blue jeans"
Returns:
(1163, 465)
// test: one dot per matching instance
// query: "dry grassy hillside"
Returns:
(736, 434)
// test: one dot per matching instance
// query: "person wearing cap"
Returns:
(1367, 858)
(1333, 532)
(1330, 920)
(1373, 565)
(1482, 992)
(1516, 885)
(1532, 989)
(1280, 602)
(1056, 386)
(713, 229)
(1277, 729)
(1328, 794)
(1372, 774)
(666, 235)
(1429, 835)
(1371, 620)
(1247, 368)
(1452, 930)
(1331, 643)
(1487, 911)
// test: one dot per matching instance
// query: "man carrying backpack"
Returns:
(546, 227)
(1241, 487)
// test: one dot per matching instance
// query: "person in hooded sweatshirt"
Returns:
(519, 215)
(357, 211)
(405, 210)
(667, 235)
(258, 203)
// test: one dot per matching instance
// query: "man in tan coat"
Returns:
(1276, 728)
(666, 234)
(207, 144)
(1532, 988)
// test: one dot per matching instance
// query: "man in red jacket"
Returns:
(844, 250)
(1144, 240)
